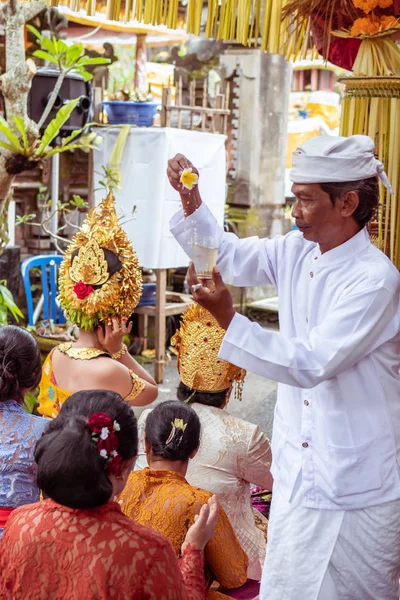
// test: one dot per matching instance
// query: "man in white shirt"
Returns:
(334, 532)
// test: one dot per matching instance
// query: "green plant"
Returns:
(8, 305)
(30, 401)
(41, 148)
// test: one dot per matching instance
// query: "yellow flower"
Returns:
(179, 424)
(365, 26)
(389, 22)
(189, 179)
(385, 3)
(366, 5)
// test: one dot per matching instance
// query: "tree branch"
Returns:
(52, 99)
(33, 8)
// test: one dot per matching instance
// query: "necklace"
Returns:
(81, 353)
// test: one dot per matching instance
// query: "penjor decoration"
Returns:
(100, 275)
(198, 342)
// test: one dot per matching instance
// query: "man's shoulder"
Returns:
(381, 272)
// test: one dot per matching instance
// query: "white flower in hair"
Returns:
(116, 426)
(104, 433)
(103, 453)
(114, 453)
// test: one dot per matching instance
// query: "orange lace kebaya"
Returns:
(166, 502)
(58, 553)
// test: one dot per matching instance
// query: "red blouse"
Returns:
(52, 552)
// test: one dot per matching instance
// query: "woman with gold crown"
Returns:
(233, 453)
(100, 286)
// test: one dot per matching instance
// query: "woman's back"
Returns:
(53, 552)
(166, 502)
(19, 434)
(233, 454)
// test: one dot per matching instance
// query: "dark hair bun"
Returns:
(186, 394)
(70, 468)
(20, 364)
(159, 430)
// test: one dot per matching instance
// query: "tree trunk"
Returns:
(16, 82)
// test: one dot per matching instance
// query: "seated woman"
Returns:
(77, 544)
(20, 371)
(100, 286)
(233, 453)
(161, 498)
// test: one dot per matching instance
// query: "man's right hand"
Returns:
(190, 198)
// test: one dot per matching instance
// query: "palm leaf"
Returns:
(19, 122)
(5, 129)
(53, 128)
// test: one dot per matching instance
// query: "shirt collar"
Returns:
(354, 246)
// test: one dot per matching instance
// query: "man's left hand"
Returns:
(218, 301)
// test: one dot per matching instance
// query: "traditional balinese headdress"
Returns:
(198, 342)
(88, 292)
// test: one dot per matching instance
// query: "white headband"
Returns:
(329, 159)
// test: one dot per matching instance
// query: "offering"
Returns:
(189, 179)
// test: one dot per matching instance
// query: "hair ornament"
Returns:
(177, 425)
(103, 434)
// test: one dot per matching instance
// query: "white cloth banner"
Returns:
(145, 185)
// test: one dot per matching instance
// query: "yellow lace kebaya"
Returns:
(164, 501)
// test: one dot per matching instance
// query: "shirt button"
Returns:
(306, 320)
(306, 402)
(305, 445)
(311, 274)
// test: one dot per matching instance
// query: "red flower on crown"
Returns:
(82, 290)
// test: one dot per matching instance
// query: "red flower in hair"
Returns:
(82, 290)
(114, 466)
(103, 434)
(109, 444)
(99, 420)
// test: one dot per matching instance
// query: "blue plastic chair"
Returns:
(48, 263)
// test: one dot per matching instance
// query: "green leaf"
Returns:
(6, 146)
(8, 301)
(35, 32)
(75, 134)
(85, 74)
(76, 146)
(45, 56)
(5, 129)
(3, 315)
(85, 60)
(53, 128)
(30, 401)
(19, 122)
(73, 54)
(24, 219)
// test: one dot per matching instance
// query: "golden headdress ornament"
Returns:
(89, 293)
(198, 342)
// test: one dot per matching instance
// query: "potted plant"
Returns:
(134, 108)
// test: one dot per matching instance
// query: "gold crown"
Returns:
(120, 292)
(90, 265)
(198, 342)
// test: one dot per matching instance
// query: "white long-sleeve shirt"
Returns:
(337, 358)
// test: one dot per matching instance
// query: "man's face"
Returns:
(316, 217)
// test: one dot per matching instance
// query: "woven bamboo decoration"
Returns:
(245, 21)
(372, 107)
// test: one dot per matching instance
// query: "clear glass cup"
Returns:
(204, 254)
